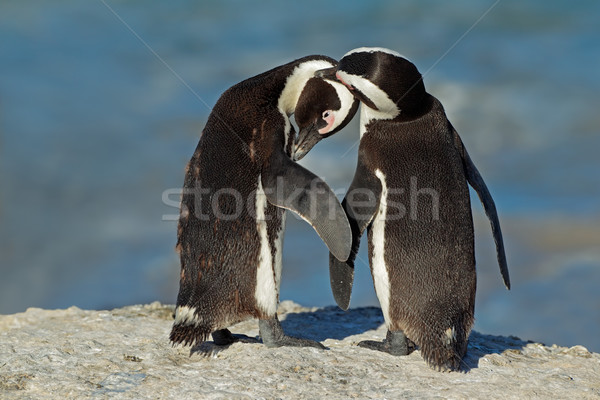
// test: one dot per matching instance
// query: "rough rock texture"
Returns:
(125, 353)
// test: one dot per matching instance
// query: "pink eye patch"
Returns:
(329, 119)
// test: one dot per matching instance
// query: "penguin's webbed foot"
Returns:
(224, 337)
(395, 343)
(272, 336)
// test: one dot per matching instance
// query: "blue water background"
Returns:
(102, 104)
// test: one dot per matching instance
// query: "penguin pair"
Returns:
(410, 192)
(238, 184)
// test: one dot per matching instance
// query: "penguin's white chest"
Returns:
(379, 268)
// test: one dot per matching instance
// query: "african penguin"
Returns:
(238, 183)
(410, 191)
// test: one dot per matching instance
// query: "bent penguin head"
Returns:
(324, 108)
(383, 80)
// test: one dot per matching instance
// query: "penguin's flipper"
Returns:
(476, 181)
(288, 185)
(360, 204)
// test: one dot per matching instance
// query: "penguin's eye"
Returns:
(326, 114)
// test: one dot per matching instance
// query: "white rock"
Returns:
(125, 353)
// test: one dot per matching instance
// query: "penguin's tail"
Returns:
(189, 328)
(442, 335)
(445, 350)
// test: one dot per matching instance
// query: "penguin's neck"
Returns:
(368, 114)
(295, 83)
(429, 104)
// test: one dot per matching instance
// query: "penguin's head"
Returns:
(324, 107)
(381, 79)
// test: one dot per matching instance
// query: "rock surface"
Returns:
(125, 353)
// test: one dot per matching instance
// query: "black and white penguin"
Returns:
(237, 186)
(410, 191)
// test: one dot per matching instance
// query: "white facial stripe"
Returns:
(374, 49)
(265, 291)
(381, 278)
(387, 108)
(346, 100)
(295, 83)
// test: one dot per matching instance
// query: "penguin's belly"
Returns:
(232, 240)
(421, 243)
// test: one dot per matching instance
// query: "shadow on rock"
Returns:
(332, 323)
(210, 349)
(481, 345)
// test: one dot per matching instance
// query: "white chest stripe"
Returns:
(381, 278)
(265, 291)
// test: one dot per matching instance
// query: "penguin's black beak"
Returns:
(308, 137)
(327, 73)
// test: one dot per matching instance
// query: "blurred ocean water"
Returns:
(102, 104)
